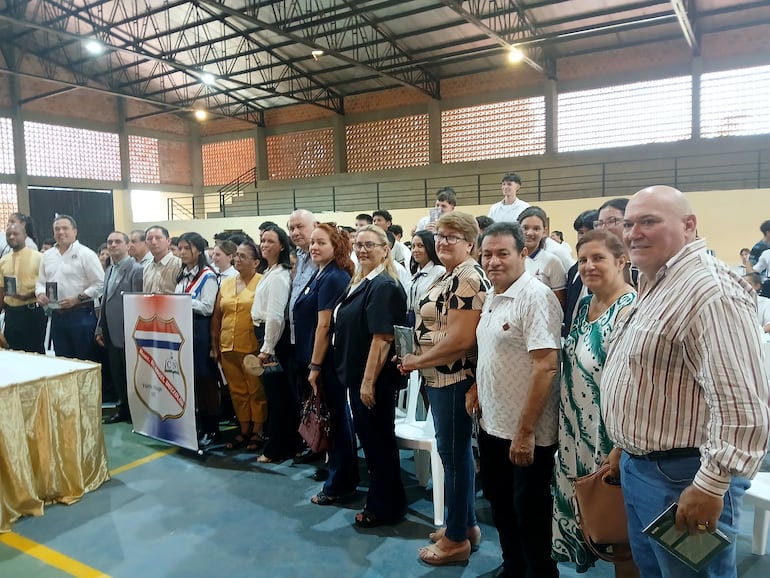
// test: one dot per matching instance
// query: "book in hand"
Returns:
(404, 337)
(52, 292)
(9, 285)
(694, 550)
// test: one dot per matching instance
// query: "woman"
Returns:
(201, 282)
(104, 256)
(232, 338)
(545, 266)
(446, 334)
(583, 442)
(222, 257)
(312, 321)
(363, 346)
(426, 270)
(267, 315)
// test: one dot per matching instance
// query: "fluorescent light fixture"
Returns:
(317, 53)
(94, 47)
(207, 78)
(515, 55)
(201, 114)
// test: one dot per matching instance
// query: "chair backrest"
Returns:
(412, 395)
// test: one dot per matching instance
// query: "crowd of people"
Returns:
(644, 352)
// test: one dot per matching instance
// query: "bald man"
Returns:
(684, 394)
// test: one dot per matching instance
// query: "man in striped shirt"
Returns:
(684, 393)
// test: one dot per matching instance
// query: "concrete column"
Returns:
(551, 117)
(434, 134)
(125, 157)
(697, 71)
(19, 146)
(340, 145)
(260, 153)
(196, 168)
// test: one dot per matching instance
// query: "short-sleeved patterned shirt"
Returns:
(465, 287)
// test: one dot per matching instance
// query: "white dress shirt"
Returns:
(77, 270)
(270, 299)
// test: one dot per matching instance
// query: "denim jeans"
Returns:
(649, 487)
(453, 436)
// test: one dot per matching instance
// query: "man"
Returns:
(684, 393)
(384, 220)
(518, 396)
(69, 281)
(161, 273)
(763, 303)
(363, 220)
(511, 206)
(575, 288)
(301, 224)
(611, 215)
(446, 202)
(137, 247)
(762, 245)
(24, 319)
(123, 275)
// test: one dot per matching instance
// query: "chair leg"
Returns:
(437, 472)
(761, 526)
(422, 464)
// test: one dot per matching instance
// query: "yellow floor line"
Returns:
(50, 557)
(144, 460)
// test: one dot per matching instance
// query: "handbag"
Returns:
(315, 424)
(601, 514)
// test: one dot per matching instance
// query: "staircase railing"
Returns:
(179, 212)
(234, 187)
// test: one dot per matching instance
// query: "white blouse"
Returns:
(269, 305)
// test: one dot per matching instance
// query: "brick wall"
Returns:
(5, 90)
(175, 166)
(168, 122)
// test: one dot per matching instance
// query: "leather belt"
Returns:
(27, 306)
(668, 454)
(78, 307)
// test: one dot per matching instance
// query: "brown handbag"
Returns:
(315, 425)
(601, 513)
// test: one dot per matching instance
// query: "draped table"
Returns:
(51, 440)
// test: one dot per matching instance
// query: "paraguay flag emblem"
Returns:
(158, 378)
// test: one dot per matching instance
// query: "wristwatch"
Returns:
(83, 298)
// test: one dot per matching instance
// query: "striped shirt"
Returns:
(684, 369)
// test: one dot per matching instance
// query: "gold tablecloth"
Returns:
(51, 440)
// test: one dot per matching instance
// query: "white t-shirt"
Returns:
(562, 251)
(763, 310)
(500, 212)
(524, 318)
(546, 267)
(763, 264)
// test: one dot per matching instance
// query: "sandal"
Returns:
(474, 537)
(255, 442)
(237, 442)
(365, 519)
(321, 499)
(435, 556)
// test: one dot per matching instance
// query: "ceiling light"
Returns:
(201, 114)
(94, 47)
(317, 53)
(515, 55)
(207, 78)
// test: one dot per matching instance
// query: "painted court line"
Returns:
(50, 557)
(59, 560)
(144, 460)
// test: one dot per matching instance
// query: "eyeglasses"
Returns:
(448, 239)
(611, 222)
(369, 245)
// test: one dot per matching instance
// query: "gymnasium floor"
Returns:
(168, 513)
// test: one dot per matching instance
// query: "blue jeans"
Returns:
(72, 331)
(453, 436)
(649, 487)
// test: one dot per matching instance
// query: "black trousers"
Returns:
(116, 361)
(25, 328)
(521, 507)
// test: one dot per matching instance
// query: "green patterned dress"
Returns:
(583, 441)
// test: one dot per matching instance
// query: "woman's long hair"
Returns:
(430, 249)
(194, 240)
(340, 243)
(390, 268)
(284, 258)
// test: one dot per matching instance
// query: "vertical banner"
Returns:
(159, 366)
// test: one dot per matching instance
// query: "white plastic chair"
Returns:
(758, 495)
(420, 435)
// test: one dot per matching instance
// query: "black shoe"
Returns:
(321, 475)
(308, 456)
(115, 418)
(207, 439)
